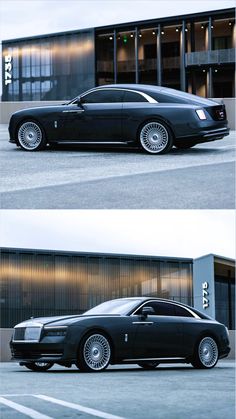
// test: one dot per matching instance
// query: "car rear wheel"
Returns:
(148, 365)
(94, 353)
(30, 136)
(155, 138)
(39, 366)
(206, 353)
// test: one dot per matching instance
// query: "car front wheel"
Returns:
(30, 136)
(206, 353)
(39, 366)
(155, 138)
(94, 354)
(148, 365)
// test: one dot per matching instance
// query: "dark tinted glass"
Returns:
(103, 96)
(134, 97)
(160, 309)
(182, 312)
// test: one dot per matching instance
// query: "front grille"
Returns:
(19, 333)
(217, 113)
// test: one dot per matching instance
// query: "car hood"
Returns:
(39, 109)
(59, 320)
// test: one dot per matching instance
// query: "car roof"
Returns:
(150, 88)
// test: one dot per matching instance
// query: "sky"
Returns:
(175, 233)
(21, 18)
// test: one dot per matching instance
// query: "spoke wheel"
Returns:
(155, 138)
(39, 366)
(95, 353)
(207, 353)
(148, 365)
(30, 136)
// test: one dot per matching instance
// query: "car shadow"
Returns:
(127, 150)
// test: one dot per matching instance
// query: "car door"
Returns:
(96, 117)
(159, 335)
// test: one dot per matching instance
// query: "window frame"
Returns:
(193, 314)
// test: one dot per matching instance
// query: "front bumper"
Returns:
(40, 352)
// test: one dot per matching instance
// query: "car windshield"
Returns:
(123, 306)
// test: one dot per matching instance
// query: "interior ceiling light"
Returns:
(230, 23)
(131, 35)
(154, 32)
(186, 29)
(140, 35)
(162, 32)
(176, 29)
(110, 37)
(202, 26)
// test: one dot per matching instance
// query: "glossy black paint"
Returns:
(121, 121)
(149, 336)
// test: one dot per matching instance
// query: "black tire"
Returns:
(30, 136)
(155, 137)
(39, 366)
(148, 365)
(184, 146)
(94, 353)
(206, 353)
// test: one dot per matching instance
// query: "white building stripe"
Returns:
(76, 406)
(22, 409)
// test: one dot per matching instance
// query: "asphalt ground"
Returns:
(169, 392)
(112, 178)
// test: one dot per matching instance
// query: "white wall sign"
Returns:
(8, 69)
(205, 294)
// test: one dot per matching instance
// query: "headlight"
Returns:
(55, 331)
(201, 114)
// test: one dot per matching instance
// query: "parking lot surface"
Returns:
(169, 392)
(85, 177)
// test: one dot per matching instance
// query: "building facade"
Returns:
(43, 283)
(194, 53)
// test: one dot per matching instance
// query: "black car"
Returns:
(151, 117)
(145, 331)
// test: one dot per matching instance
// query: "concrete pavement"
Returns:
(171, 391)
(85, 177)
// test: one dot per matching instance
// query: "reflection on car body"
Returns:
(141, 330)
(151, 117)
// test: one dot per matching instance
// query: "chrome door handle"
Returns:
(143, 323)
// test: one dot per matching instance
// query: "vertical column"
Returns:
(159, 78)
(115, 55)
(209, 48)
(182, 57)
(136, 55)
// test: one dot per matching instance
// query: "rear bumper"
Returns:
(205, 135)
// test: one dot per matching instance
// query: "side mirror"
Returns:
(79, 101)
(147, 311)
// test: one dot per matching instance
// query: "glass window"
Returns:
(182, 312)
(134, 97)
(103, 96)
(160, 309)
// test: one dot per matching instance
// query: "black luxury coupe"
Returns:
(140, 330)
(151, 117)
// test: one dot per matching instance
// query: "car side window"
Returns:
(182, 312)
(133, 97)
(103, 96)
(160, 309)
